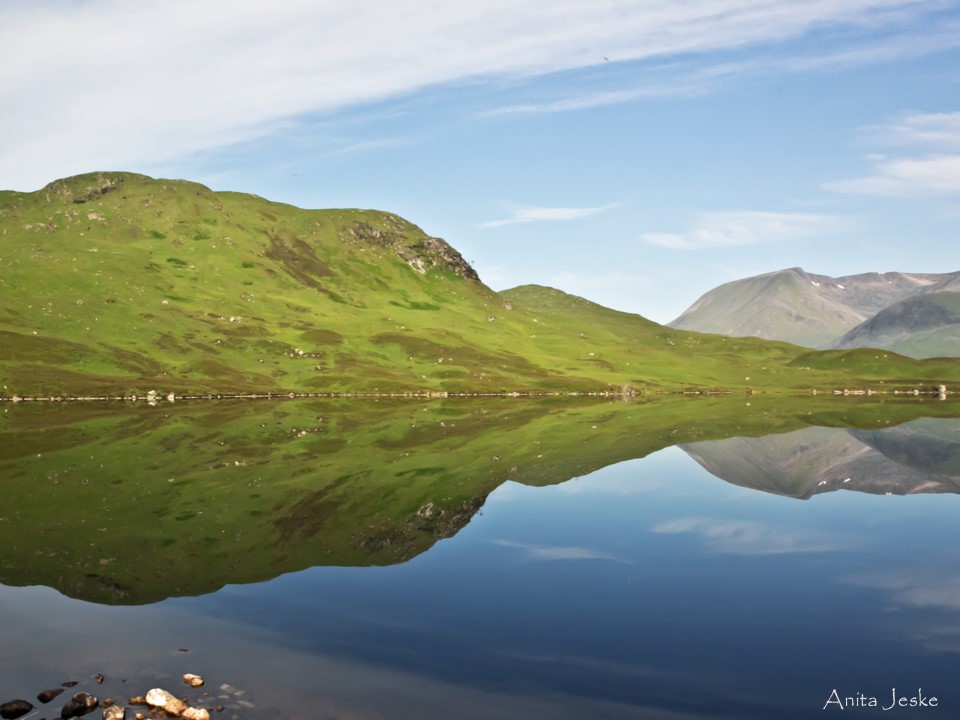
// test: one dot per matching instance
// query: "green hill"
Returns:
(114, 283)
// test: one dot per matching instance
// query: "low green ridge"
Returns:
(115, 283)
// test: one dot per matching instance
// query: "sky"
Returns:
(635, 152)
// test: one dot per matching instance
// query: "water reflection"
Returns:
(921, 456)
(129, 506)
(586, 568)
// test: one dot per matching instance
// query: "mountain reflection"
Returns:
(922, 456)
(131, 505)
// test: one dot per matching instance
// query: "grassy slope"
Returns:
(121, 504)
(117, 283)
(652, 354)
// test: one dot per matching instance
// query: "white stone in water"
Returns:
(168, 701)
(192, 713)
(114, 712)
(191, 679)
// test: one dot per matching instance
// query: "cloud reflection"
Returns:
(549, 552)
(742, 537)
(935, 594)
(917, 589)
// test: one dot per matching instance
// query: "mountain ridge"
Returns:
(807, 309)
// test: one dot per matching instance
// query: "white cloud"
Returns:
(931, 169)
(538, 214)
(907, 177)
(106, 84)
(741, 228)
(738, 537)
(941, 130)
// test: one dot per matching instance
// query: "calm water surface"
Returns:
(649, 588)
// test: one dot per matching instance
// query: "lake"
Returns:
(494, 558)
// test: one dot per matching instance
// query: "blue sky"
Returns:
(635, 153)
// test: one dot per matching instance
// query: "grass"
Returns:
(117, 283)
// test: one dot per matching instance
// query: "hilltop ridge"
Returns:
(117, 283)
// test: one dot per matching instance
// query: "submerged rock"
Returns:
(15, 709)
(48, 695)
(80, 704)
(163, 699)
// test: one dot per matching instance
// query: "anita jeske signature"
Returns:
(860, 700)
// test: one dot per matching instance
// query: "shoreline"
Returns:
(153, 398)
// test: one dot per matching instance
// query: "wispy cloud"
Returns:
(371, 145)
(691, 86)
(550, 552)
(928, 163)
(697, 77)
(739, 537)
(907, 177)
(741, 228)
(169, 80)
(900, 46)
(539, 214)
(938, 130)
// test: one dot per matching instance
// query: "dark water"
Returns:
(646, 588)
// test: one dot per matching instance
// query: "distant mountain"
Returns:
(922, 456)
(818, 310)
(925, 325)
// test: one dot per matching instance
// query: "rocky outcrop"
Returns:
(421, 252)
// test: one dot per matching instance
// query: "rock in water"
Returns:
(14, 709)
(163, 699)
(79, 704)
(114, 712)
(192, 680)
(48, 695)
(192, 713)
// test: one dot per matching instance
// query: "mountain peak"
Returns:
(803, 308)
